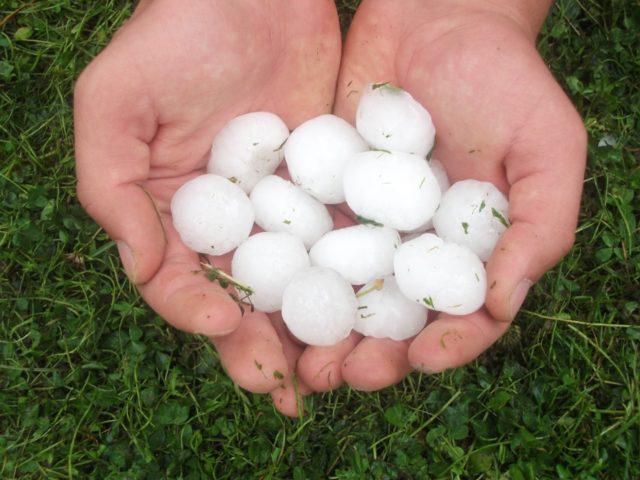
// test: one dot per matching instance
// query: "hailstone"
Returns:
(443, 182)
(211, 214)
(248, 148)
(389, 118)
(316, 153)
(384, 312)
(438, 170)
(319, 306)
(359, 253)
(280, 206)
(440, 275)
(473, 214)
(266, 262)
(395, 189)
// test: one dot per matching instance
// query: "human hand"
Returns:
(500, 117)
(146, 110)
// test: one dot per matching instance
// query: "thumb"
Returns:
(113, 124)
(545, 169)
(369, 55)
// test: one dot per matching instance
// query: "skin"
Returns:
(147, 107)
(146, 110)
(500, 117)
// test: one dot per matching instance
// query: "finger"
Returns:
(321, 367)
(185, 297)
(287, 398)
(252, 355)
(369, 55)
(451, 341)
(283, 172)
(307, 74)
(342, 216)
(113, 124)
(376, 363)
(142, 6)
(545, 169)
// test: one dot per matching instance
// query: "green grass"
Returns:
(93, 384)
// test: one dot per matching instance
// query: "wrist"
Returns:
(141, 6)
(529, 15)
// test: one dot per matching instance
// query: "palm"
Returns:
(171, 77)
(500, 117)
(478, 109)
(478, 94)
(221, 60)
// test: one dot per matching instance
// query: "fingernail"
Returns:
(209, 325)
(221, 333)
(518, 295)
(220, 317)
(128, 260)
(422, 368)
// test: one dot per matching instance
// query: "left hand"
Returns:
(146, 109)
(500, 117)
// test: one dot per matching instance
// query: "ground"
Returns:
(93, 384)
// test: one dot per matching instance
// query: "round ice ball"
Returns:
(316, 153)
(359, 253)
(266, 262)
(211, 214)
(442, 276)
(395, 189)
(248, 148)
(384, 312)
(389, 118)
(438, 170)
(280, 206)
(443, 182)
(319, 306)
(473, 214)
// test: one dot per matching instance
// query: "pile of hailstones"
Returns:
(300, 265)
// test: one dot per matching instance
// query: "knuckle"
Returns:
(97, 75)
(577, 132)
(85, 198)
(86, 81)
(580, 134)
(565, 242)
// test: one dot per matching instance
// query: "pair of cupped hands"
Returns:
(148, 106)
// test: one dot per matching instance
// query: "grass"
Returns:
(94, 384)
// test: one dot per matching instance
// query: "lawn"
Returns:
(94, 384)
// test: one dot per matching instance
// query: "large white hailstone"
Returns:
(389, 118)
(280, 206)
(319, 306)
(443, 182)
(266, 262)
(397, 190)
(359, 253)
(438, 170)
(248, 148)
(442, 276)
(384, 312)
(211, 214)
(316, 153)
(473, 214)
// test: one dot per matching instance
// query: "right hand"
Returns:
(146, 110)
(501, 117)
